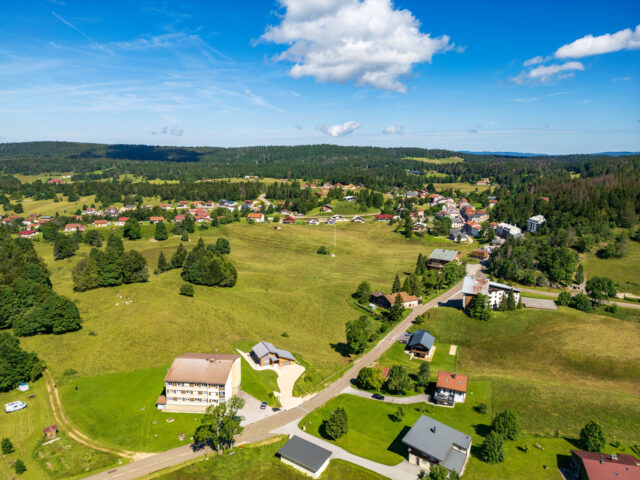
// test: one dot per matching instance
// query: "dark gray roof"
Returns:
(454, 461)
(422, 337)
(263, 348)
(435, 439)
(305, 453)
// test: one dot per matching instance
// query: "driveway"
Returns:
(251, 410)
(388, 398)
(402, 471)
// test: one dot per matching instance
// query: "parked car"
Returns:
(263, 405)
(14, 406)
(377, 396)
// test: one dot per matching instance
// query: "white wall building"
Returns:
(534, 222)
(508, 230)
(497, 292)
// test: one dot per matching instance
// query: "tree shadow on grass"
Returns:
(453, 303)
(397, 446)
(575, 442)
(482, 429)
(342, 348)
(564, 462)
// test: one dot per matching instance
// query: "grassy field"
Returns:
(624, 271)
(436, 161)
(463, 187)
(260, 462)
(64, 458)
(342, 207)
(119, 410)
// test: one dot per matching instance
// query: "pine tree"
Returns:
(115, 243)
(7, 446)
(177, 259)
(132, 229)
(161, 232)
(163, 266)
(396, 284)
(509, 303)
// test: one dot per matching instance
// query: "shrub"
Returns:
(19, 467)
(481, 408)
(398, 415)
(564, 299)
(369, 378)
(7, 446)
(187, 290)
(323, 250)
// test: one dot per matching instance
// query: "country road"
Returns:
(555, 295)
(262, 429)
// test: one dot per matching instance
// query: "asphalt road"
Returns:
(262, 429)
(555, 295)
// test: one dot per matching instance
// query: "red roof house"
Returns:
(600, 466)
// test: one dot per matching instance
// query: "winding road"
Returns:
(264, 429)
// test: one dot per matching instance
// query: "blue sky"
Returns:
(547, 77)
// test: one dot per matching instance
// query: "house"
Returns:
(326, 208)
(350, 198)
(508, 230)
(338, 218)
(28, 234)
(121, 221)
(600, 466)
(289, 220)
(480, 253)
(265, 353)
(72, 227)
(50, 432)
(496, 292)
(100, 223)
(330, 221)
(111, 211)
(156, 219)
(357, 219)
(256, 217)
(456, 221)
(472, 228)
(457, 233)
(419, 227)
(165, 206)
(451, 388)
(313, 221)
(480, 216)
(492, 202)
(10, 218)
(285, 213)
(178, 218)
(420, 344)
(430, 442)
(161, 402)
(534, 223)
(384, 217)
(386, 301)
(304, 456)
(55, 181)
(440, 257)
(197, 380)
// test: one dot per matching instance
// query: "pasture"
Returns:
(624, 271)
(436, 161)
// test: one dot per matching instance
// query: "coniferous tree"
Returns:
(163, 266)
(132, 229)
(177, 259)
(86, 275)
(134, 267)
(114, 242)
(337, 425)
(161, 232)
(64, 246)
(396, 284)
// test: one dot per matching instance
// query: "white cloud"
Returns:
(365, 41)
(626, 39)
(474, 128)
(544, 73)
(394, 130)
(535, 61)
(178, 132)
(340, 130)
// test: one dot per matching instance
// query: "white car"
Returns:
(14, 406)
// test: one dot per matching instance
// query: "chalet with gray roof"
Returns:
(430, 442)
(305, 456)
(420, 344)
(264, 353)
(440, 257)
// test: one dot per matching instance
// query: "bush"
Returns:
(7, 446)
(19, 467)
(564, 299)
(506, 423)
(323, 250)
(187, 290)
(592, 437)
(398, 415)
(581, 302)
(369, 378)
(481, 408)
(492, 449)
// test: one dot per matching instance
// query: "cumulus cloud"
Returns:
(178, 132)
(588, 45)
(394, 130)
(544, 73)
(340, 130)
(365, 41)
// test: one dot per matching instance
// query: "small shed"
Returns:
(305, 456)
(51, 431)
(23, 387)
(161, 403)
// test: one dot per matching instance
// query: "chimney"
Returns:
(453, 375)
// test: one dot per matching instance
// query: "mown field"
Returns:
(283, 286)
(624, 271)
(64, 458)
(436, 161)
(260, 461)
(557, 370)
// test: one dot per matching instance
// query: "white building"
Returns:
(197, 380)
(508, 230)
(496, 292)
(451, 388)
(534, 222)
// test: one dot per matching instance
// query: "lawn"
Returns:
(436, 161)
(24, 429)
(260, 461)
(342, 207)
(462, 186)
(259, 383)
(624, 271)
(119, 410)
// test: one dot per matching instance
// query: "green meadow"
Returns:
(624, 271)
(436, 161)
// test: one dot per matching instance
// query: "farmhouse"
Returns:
(450, 388)
(357, 219)
(289, 220)
(313, 221)
(304, 456)
(384, 217)
(256, 217)
(600, 466)
(156, 219)
(326, 208)
(386, 301)
(265, 353)
(430, 442)
(197, 380)
(28, 233)
(420, 344)
(440, 257)
(480, 253)
(100, 223)
(534, 223)
(496, 292)
(72, 227)
(121, 221)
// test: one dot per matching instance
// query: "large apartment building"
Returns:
(197, 380)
